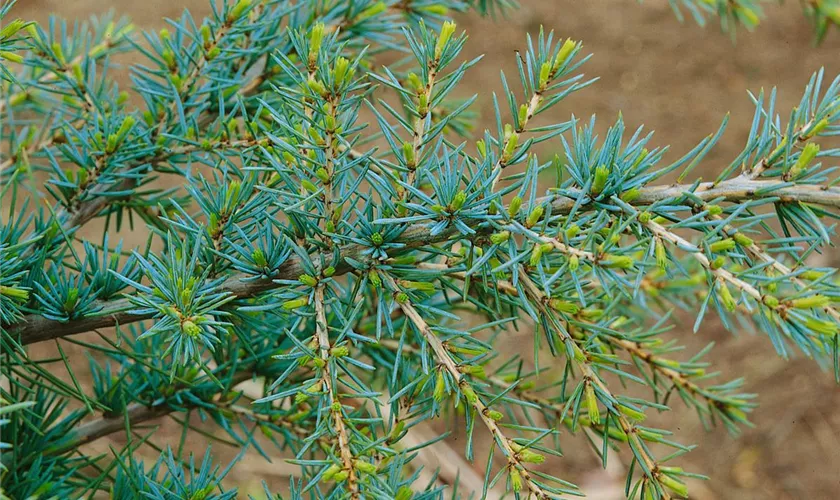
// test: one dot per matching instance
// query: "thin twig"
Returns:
(336, 409)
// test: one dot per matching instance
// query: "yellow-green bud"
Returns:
(472, 351)
(408, 153)
(602, 173)
(630, 195)
(373, 10)
(18, 294)
(510, 147)
(12, 28)
(535, 216)
(482, 148)
(342, 71)
(742, 239)
(308, 280)
(725, 296)
(630, 412)
(469, 394)
(415, 83)
(564, 306)
(618, 261)
(770, 301)
(591, 313)
(592, 404)
(31, 29)
(423, 104)
(366, 467)
(374, 278)
(809, 152)
(661, 255)
(295, 303)
(523, 115)
(723, 245)
(125, 127)
(515, 205)
(674, 485)
(474, 370)
(259, 258)
(331, 471)
(440, 387)
(812, 302)
(822, 327)
(59, 53)
(404, 493)
(422, 286)
(536, 254)
(340, 351)
(206, 36)
(495, 415)
(446, 32)
(714, 210)
(376, 239)
(545, 73)
(397, 431)
(565, 51)
(531, 457)
(111, 145)
(811, 275)
(190, 329)
(515, 479)
(239, 9)
(820, 125)
(71, 300)
(500, 237)
(458, 201)
(316, 36)
(316, 86)
(11, 56)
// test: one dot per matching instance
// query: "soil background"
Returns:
(681, 80)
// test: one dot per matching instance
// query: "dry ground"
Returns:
(678, 79)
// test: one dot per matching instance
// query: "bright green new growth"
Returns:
(362, 273)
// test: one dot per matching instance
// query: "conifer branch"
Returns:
(731, 407)
(110, 41)
(339, 270)
(516, 465)
(34, 328)
(591, 378)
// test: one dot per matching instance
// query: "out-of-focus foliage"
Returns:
(748, 13)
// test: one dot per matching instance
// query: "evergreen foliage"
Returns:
(335, 231)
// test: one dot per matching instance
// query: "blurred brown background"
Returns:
(678, 79)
